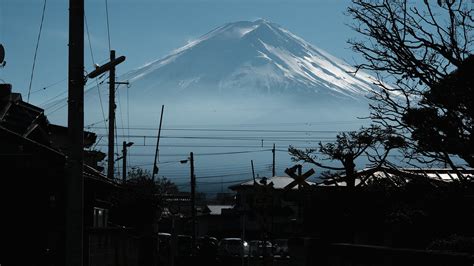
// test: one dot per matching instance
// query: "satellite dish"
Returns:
(2, 53)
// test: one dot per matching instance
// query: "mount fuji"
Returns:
(251, 59)
(244, 72)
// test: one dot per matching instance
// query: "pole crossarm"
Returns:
(299, 180)
(106, 67)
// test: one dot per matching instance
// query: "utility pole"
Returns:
(124, 165)
(273, 165)
(110, 169)
(193, 200)
(253, 172)
(155, 168)
(110, 66)
(74, 239)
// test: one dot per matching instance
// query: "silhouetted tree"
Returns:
(140, 199)
(444, 121)
(416, 46)
(348, 147)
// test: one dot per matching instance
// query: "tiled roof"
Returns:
(279, 182)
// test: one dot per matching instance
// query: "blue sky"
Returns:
(145, 30)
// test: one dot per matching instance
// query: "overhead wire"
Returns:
(50, 100)
(121, 118)
(310, 123)
(128, 112)
(242, 138)
(216, 169)
(49, 105)
(94, 123)
(120, 109)
(49, 86)
(210, 146)
(96, 79)
(108, 27)
(234, 130)
(219, 172)
(36, 50)
(197, 154)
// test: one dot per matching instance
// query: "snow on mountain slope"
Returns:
(246, 57)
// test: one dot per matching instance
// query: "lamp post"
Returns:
(124, 151)
(193, 198)
(124, 157)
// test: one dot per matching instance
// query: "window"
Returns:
(101, 217)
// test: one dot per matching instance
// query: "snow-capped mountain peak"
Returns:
(252, 57)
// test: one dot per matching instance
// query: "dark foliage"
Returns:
(445, 122)
(422, 48)
(138, 204)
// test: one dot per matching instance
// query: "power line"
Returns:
(233, 130)
(95, 123)
(96, 79)
(36, 50)
(224, 182)
(128, 112)
(199, 154)
(50, 101)
(48, 86)
(89, 38)
(183, 185)
(258, 138)
(206, 146)
(108, 28)
(120, 109)
(309, 123)
(148, 164)
(211, 172)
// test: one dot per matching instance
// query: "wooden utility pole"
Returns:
(110, 169)
(155, 168)
(253, 172)
(74, 167)
(124, 166)
(110, 66)
(273, 165)
(193, 200)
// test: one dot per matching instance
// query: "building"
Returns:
(271, 207)
(384, 201)
(33, 160)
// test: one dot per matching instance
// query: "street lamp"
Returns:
(124, 157)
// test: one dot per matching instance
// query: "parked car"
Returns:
(280, 247)
(185, 245)
(257, 248)
(207, 246)
(164, 240)
(232, 247)
(164, 247)
(253, 248)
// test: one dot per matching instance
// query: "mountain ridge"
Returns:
(251, 56)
